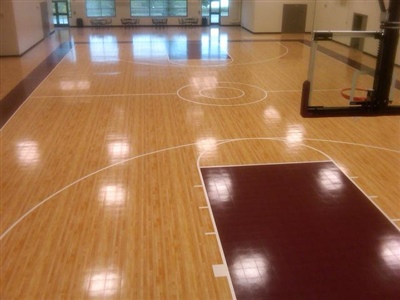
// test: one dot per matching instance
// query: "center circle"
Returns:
(210, 92)
(222, 94)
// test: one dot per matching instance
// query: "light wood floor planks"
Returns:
(99, 167)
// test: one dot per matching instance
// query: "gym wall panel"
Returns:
(8, 31)
(338, 15)
(266, 16)
(21, 25)
(28, 21)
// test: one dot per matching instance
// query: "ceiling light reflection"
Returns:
(390, 252)
(295, 134)
(118, 147)
(330, 179)
(103, 48)
(28, 153)
(251, 269)
(107, 282)
(271, 113)
(113, 196)
(224, 186)
(208, 144)
(74, 85)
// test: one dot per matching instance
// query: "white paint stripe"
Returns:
(395, 220)
(203, 207)
(40, 84)
(224, 105)
(220, 270)
(210, 233)
(282, 139)
(106, 96)
(353, 144)
(81, 179)
(265, 164)
(221, 250)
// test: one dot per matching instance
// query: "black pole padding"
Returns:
(386, 58)
(305, 98)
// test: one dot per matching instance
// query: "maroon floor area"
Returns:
(16, 97)
(302, 231)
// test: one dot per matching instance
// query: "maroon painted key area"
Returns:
(302, 231)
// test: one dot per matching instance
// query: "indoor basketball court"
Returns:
(174, 163)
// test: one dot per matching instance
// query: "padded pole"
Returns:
(386, 57)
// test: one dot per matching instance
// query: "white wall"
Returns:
(338, 15)
(265, 16)
(28, 22)
(8, 32)
(21, 25)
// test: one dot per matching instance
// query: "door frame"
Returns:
(218, 13)
(57, 14)
(359, 24)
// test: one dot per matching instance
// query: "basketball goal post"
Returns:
(377, 100)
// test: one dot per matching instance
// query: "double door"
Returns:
(215, 12)
(60, 13)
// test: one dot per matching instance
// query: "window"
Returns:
(205, 8)
(159, 8)
(224, 8)
(100, 8)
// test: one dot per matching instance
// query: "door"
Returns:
(60, 13)
(294, 18)
(359, 24)
(44, 10)
(215, 12)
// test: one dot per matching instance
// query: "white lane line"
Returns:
(220, 270)
(281, 139)
(105, 95)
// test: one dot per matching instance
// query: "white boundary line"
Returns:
(220, 85)
(280, 139)
(82, 179)
(212, 215)
(150, 64)
(221, 250)
(221, 142)
(104, 95)
(40, 84)
(266, 164)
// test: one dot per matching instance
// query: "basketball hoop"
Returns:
(347, 96)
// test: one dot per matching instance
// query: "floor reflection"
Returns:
(103, 48)
(28, 152)
(213, 45)
(105, 282)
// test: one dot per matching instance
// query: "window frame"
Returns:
(101, 8)
(167, 7)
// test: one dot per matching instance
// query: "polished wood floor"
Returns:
(101, 191)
